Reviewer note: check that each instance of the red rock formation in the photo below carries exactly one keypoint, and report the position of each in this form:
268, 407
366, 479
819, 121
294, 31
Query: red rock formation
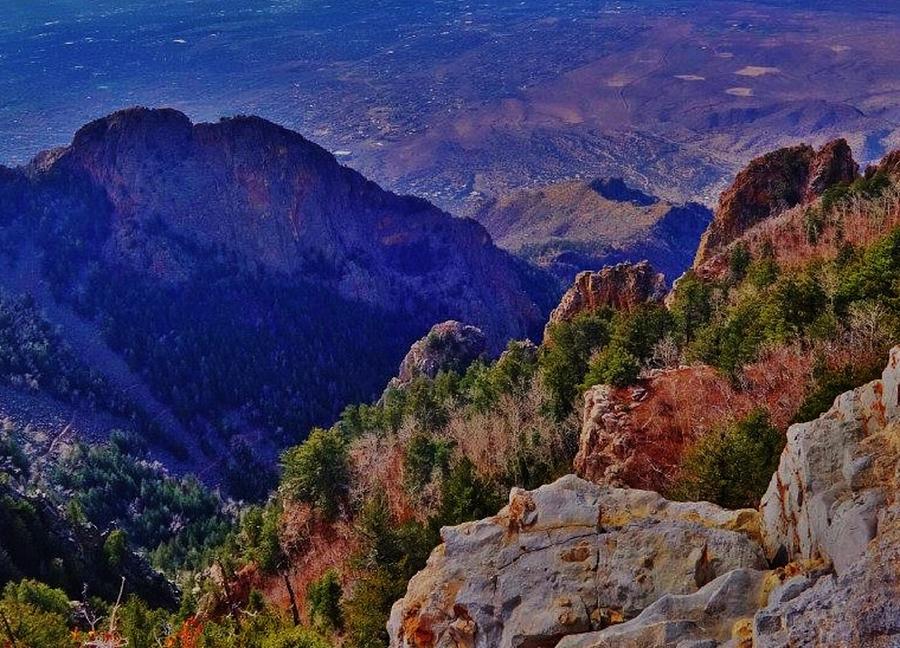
889, 165
621, 287
772, 184
635, 436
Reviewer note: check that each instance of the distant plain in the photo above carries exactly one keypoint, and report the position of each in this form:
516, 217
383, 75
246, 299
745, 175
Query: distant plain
458, 101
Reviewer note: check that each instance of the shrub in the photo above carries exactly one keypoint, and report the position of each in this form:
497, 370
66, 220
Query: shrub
738, 261
691, 307
424, 455
324, 597
294, 638
114, 548
731, 467
388, 557
614, 366
37, 616
466, 496
317, 472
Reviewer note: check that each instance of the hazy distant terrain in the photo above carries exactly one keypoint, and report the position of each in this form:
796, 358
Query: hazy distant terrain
454, 100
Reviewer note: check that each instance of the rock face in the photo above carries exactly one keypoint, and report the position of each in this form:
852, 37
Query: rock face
563, 559
449, 346
621, 287
836, 475
706, 617
576, 565
772, 184
858, 608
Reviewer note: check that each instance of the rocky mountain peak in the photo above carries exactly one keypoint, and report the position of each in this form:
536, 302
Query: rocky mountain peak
448, 346
272, 198
772, 184
621, 287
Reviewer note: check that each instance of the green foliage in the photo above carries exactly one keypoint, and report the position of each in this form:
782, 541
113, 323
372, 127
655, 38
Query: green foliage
13, 461
263, 541
389, 556
34, 357
295, 638
565, 356
873, 275
778, 313
691, 307
317, 471
814, 223
235, 338
37, 616
39, 596
115, 548
731, 467
466, 496
613, 366
28, 546
533, 464
828, 383
140, 625
324, 598
247, 476
864, 187
176, 520
424, 456
738, 261
762, 272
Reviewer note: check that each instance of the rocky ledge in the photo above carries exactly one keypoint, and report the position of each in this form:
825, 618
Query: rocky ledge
621, 287
577, 565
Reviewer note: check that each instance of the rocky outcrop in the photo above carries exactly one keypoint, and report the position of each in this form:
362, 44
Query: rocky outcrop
703, 618
576, 565
564, 559
635, 436
449, 346
772, 184
620, 287
889, 165
858, 608
836, 475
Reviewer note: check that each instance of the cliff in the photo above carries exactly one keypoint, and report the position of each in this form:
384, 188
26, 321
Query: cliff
620, 287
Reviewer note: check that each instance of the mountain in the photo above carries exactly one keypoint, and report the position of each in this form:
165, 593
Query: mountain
577, 225
772, 184
234, 279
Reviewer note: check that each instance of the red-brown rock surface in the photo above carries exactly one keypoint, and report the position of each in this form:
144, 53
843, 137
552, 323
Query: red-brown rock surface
621, 287
635, 436
772, 184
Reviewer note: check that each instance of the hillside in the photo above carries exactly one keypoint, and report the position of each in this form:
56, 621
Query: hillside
577, 225
236, 281
733, 445
691, 397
